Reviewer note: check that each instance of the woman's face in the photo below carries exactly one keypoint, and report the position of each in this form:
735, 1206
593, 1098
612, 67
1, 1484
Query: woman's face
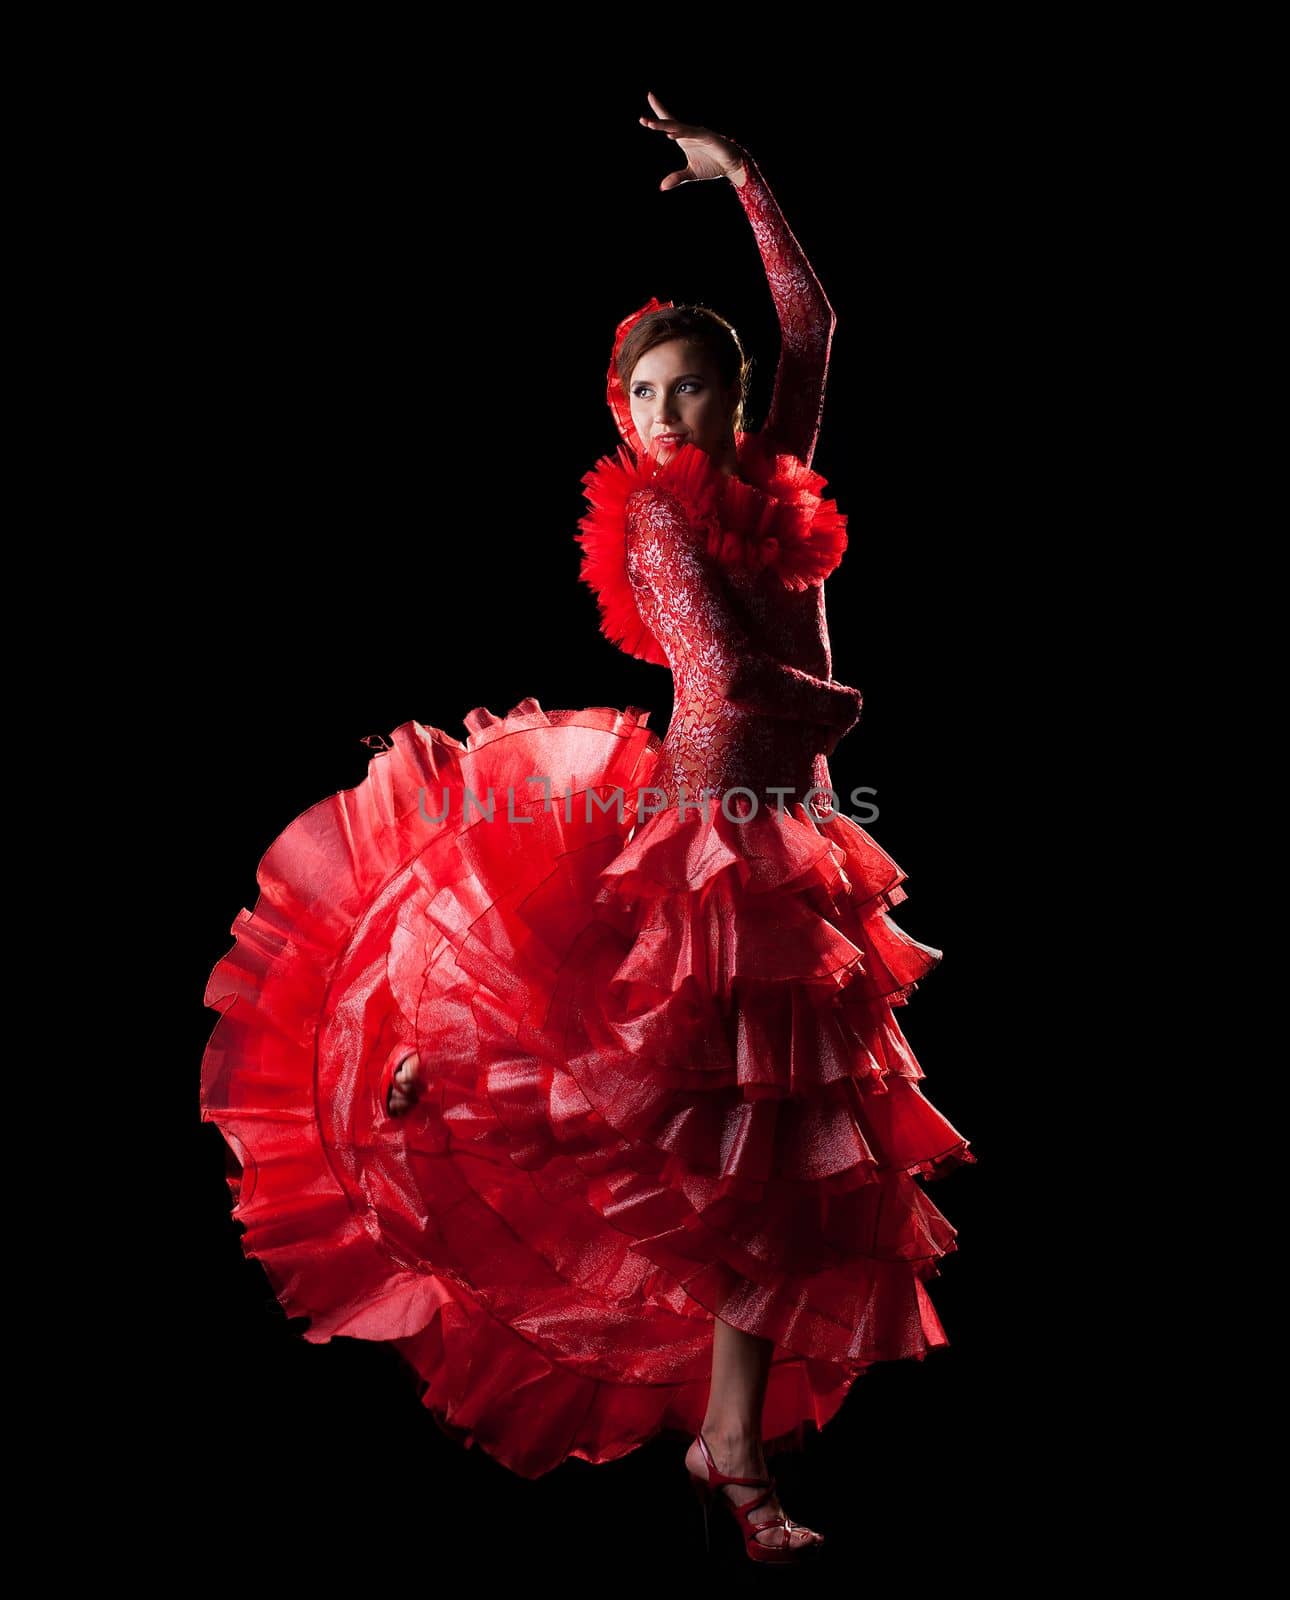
676, 390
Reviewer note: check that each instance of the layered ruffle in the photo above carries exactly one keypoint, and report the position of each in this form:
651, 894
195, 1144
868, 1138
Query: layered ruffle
775, 518
662, 1081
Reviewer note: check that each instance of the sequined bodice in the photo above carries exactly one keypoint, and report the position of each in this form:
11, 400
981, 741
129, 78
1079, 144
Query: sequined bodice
748, 661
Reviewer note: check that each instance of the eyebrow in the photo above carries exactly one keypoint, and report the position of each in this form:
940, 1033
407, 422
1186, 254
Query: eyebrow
680, 377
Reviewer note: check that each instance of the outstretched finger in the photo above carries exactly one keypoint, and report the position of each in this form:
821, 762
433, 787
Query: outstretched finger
658, 105
674, 130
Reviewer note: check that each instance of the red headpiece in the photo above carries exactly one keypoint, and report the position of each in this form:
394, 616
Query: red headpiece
619, 404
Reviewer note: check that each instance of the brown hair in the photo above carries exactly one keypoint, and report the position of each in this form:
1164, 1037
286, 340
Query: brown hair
698, 325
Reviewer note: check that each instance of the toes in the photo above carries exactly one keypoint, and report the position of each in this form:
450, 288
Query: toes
798, 1535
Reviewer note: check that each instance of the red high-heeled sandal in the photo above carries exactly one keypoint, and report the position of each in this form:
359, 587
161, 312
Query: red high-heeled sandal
709, 1488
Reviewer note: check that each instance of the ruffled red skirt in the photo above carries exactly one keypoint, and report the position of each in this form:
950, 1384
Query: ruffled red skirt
662, 1082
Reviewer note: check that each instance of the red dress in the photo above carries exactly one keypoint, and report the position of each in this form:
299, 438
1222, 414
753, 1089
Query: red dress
663, 1076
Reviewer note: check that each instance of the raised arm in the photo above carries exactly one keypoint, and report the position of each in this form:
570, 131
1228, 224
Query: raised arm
806, 319
680, 595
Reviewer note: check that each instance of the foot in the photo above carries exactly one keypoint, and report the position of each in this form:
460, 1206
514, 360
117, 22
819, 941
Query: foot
404, 1086
743, 1457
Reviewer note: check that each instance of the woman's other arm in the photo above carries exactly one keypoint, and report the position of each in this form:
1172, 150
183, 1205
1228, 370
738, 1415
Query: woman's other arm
691, 617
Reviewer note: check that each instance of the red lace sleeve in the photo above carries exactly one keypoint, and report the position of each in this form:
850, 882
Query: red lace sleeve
806, 321
679, 591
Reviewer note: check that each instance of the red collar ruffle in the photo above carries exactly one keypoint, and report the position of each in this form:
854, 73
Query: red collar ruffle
778, 520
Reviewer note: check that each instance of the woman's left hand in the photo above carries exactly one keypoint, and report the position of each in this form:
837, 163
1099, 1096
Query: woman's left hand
708, 154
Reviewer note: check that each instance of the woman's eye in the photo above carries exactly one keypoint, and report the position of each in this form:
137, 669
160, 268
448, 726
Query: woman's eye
687, 384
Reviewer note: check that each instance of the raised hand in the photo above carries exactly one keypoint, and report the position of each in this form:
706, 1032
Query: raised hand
709, 154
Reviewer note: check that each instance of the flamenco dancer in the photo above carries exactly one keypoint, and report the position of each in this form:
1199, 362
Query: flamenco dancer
565, 1059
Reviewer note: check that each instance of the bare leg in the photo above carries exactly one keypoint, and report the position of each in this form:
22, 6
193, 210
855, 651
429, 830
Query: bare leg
732, 1425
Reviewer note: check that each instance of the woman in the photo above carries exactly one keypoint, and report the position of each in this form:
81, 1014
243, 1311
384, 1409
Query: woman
565, 1059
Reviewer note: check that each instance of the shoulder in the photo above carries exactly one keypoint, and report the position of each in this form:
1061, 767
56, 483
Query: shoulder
671, 528
653, 502
680, 502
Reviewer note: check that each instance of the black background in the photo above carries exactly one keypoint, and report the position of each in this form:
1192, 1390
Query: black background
392, 303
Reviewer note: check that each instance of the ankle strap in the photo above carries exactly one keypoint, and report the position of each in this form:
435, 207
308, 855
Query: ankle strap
717, 1477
